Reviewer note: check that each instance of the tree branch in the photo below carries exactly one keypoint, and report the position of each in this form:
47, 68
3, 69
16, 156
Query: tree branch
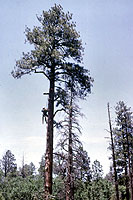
61, 80
42, 72
45, 93
62, 109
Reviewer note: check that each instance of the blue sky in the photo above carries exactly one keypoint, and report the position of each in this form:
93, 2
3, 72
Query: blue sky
106, 29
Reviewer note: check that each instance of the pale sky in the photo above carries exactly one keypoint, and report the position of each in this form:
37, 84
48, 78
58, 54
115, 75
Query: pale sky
106, 29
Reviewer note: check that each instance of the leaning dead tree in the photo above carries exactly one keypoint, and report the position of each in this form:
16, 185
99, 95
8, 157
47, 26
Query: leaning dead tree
113, 154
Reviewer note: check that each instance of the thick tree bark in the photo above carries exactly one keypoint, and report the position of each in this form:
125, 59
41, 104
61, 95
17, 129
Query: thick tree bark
69, 184
49, 140
113, 156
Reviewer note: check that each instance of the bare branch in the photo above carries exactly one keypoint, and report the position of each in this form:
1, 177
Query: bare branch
42, 72
107, 130
60, 155
59, 110
61, 80
45, 93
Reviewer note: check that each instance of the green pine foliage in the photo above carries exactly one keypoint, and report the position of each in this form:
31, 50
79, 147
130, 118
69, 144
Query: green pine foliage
123, 143
57, 54
17, 188
31, 186
54, 43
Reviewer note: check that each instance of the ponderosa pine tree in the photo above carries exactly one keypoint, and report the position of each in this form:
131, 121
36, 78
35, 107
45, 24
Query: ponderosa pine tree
97, 170
8, 163
55, 42
42, 166
82, 169
27, 170
97, 178
124, 142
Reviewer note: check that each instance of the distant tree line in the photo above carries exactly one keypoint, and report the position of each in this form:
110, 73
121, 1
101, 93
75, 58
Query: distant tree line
75, 177
26, 182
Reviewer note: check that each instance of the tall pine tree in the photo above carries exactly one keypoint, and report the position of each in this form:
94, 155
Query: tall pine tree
124, 142
57, 54
8, 163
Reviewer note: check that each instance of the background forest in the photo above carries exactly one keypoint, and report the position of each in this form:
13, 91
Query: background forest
87, 180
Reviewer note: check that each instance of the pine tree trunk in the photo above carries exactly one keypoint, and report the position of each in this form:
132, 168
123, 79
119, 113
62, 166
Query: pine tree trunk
5, 171
49, 140
69, 186
113, 156
127, 183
